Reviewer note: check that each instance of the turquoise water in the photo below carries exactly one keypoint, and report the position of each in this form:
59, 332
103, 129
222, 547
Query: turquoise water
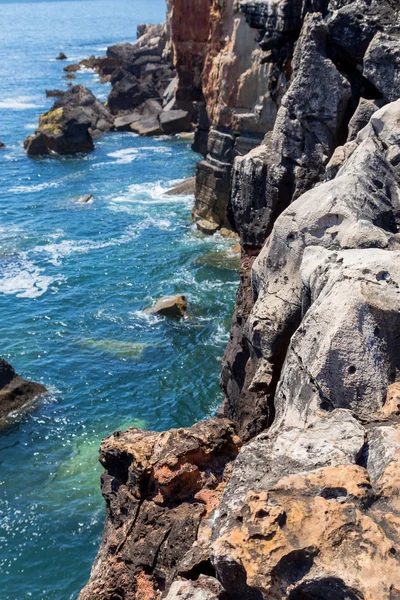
74, 280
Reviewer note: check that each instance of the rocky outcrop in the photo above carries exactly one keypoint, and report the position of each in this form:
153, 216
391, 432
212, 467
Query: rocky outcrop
70, 125
303, 162
16, 394
161, 490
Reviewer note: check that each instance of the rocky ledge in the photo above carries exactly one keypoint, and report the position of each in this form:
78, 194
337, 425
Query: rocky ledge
16, 394
299, 498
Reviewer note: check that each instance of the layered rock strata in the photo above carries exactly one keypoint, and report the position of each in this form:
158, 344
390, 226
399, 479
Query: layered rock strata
309, 508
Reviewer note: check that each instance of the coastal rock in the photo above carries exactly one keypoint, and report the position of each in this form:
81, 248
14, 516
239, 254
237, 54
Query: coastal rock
72, 68
382, 65
16, 394
2, 145
175, 121
185, 188
54, 93
68, 127
128, 93
170, 306
147, 126
161, 490
61, 56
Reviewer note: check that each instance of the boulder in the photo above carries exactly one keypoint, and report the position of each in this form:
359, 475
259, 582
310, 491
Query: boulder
72, 68
207, 227
16, 394
124, 123
128, 93
147, 126
70, 76
2, 145
175, 121
170, 306
61, 56
68, 127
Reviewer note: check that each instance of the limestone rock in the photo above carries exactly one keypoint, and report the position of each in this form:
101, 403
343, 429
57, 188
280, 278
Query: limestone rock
207, 227
16, 394
170, 306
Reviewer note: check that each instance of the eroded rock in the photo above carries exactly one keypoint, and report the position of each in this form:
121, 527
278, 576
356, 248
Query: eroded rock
16, 394
159, 488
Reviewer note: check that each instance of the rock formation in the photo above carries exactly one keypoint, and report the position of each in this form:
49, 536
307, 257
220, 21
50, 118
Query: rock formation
16, 394
299, 109
70, 125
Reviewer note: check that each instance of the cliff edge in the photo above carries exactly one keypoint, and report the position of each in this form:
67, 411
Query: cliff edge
293, 491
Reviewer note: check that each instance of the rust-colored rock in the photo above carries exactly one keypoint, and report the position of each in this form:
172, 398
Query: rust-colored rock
159, 488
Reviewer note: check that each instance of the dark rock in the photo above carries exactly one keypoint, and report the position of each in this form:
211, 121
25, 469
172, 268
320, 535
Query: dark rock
147, 126
175, 121
67, 128
124, 123
2, 145
128, 93
72, 68
61, 56
16, 394
54, 93
69, 76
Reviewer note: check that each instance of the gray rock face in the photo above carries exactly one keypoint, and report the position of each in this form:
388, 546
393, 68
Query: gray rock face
382, 65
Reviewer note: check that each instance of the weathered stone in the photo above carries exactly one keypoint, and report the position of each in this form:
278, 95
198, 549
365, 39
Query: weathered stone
170, 306
128, 93
16, 394
185, 188
207, 227
382, 65
205, 588
124, 123
68, 126
158, 488
147, 126
174, 121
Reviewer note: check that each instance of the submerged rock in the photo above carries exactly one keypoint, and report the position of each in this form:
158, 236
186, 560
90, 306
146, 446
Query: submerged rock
16, 394
68, 127
88, 198
170, 306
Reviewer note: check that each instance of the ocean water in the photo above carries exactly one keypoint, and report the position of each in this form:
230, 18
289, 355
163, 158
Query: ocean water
74, 282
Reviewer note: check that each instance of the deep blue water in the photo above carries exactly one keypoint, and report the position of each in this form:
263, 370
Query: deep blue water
74, 280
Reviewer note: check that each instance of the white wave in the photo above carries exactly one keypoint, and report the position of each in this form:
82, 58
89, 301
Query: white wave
24, 279
60, 250
18, 189
20, 103
124, 157
219, 336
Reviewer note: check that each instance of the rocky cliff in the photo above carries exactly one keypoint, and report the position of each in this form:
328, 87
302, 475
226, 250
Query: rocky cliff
293, 491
